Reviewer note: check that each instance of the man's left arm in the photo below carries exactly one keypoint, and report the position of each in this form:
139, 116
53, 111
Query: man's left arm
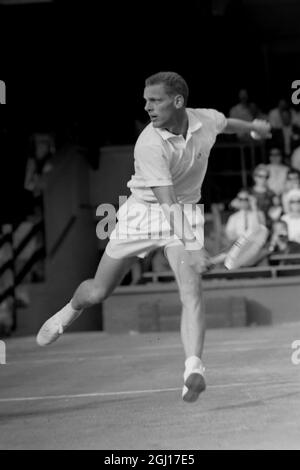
259, 126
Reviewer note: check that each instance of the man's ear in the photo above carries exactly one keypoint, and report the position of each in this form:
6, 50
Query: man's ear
179, 101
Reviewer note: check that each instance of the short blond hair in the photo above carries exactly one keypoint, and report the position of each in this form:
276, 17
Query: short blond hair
173, 82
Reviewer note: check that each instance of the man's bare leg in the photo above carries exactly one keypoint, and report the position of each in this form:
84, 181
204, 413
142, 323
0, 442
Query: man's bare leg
109, 274
192, 320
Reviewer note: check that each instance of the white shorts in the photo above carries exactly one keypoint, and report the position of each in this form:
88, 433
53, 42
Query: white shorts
143, 227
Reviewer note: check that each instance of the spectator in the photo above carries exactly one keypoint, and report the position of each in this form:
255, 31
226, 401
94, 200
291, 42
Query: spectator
292, 217
287, 138
276, 210
295, 159
245, 219
242, 111
277, 171
38, 164
275, 114
260, 190
279, 242
292, 182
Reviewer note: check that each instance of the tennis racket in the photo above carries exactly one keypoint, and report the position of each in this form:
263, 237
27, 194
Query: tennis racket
244, 250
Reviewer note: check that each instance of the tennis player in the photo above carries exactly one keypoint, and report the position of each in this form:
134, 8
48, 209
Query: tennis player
171, 157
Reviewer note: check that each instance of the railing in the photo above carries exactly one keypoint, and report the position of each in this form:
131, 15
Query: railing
7, 275
21, 249
241, 273
243, 148
60, 196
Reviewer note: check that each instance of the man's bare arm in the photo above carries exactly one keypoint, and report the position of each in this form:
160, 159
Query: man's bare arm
261, 127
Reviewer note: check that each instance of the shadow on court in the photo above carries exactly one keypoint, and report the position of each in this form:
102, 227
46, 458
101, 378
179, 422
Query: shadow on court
98, 391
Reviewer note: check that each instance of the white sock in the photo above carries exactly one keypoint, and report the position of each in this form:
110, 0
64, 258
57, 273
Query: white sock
193, 362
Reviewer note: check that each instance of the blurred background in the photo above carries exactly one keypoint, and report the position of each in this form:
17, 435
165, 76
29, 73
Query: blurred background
74, 74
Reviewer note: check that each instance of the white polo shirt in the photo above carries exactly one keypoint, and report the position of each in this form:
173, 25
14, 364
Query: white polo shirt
163, 159
293, 225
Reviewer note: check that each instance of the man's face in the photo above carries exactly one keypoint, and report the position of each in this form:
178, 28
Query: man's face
160, 106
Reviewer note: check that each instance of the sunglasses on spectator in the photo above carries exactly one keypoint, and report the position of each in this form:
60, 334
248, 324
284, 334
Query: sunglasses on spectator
295, 200
243, 199
293, 178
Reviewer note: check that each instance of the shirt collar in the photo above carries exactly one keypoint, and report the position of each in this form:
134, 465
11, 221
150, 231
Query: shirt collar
194, 125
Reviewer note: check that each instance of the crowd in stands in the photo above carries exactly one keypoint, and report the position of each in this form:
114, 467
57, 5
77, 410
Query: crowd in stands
273, 198
276, 206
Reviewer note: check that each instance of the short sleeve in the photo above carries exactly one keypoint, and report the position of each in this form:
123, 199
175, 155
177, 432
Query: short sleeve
152, 165
219, 119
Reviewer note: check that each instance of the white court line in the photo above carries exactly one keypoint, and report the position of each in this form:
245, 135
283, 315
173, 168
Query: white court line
138, 392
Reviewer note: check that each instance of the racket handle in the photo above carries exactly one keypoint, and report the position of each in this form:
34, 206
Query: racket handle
218, 258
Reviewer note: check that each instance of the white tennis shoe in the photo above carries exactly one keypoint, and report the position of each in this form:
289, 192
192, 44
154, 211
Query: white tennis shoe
194, 384
53, 328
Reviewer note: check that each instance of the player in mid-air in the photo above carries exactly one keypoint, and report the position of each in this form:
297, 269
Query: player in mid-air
171, 157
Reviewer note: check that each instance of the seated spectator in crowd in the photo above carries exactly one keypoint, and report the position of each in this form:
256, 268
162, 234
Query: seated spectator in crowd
292, 182
38, 164
287, 138
275, 115
247, 218
276, 210
260, 190
242, 111
278, 244
277, 171
295, 159
279, 241
292, 217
